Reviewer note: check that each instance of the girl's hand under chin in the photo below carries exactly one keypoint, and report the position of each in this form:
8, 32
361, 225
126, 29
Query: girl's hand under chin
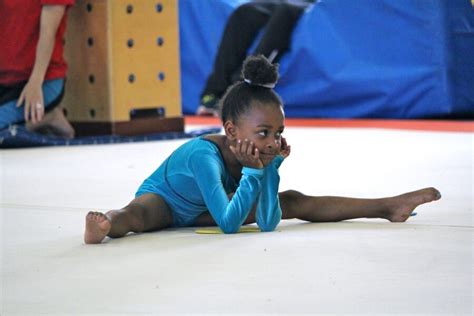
247, 154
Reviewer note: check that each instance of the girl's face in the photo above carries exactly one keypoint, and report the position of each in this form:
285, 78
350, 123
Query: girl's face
262, 125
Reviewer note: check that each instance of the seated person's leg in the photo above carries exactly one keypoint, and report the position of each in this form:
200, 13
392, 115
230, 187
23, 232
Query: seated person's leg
54, 122
240, 32
9, 112
277, 35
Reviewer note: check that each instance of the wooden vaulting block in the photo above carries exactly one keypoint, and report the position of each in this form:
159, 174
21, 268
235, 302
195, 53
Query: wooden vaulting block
124, 75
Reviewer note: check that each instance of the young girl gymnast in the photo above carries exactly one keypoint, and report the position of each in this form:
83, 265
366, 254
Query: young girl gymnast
231, 180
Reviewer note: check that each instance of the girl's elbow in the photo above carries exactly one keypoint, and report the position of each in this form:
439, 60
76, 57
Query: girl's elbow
268, 227
230, 229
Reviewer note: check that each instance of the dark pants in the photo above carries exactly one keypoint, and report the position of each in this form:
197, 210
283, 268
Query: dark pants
53, 91
243, 26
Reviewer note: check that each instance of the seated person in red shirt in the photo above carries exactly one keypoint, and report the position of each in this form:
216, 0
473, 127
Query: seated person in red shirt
32, 66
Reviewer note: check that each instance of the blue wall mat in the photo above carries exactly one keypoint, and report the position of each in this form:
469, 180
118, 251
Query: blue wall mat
354, 59
460, 17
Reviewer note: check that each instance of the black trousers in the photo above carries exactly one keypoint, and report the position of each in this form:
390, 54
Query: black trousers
275, 17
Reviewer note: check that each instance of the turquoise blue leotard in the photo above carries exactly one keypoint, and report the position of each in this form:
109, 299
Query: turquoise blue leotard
194, 180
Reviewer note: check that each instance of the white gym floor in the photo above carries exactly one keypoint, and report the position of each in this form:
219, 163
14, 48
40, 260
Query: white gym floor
370, 267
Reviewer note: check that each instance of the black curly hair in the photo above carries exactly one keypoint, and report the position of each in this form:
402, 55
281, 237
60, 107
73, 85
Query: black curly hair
259, 77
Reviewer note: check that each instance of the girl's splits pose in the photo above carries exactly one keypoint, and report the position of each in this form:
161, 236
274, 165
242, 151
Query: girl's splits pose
231, 180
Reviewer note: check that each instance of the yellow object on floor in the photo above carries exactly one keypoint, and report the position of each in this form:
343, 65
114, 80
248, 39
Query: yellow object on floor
219, 231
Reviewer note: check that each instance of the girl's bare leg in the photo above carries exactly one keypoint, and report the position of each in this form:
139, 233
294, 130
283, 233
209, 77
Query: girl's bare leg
147, 212
333, 209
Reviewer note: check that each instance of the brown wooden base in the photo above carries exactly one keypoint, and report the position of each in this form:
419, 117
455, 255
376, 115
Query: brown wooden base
134, 127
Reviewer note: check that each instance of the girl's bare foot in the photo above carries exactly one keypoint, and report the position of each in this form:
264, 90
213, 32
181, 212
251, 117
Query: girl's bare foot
400, 207
97, 227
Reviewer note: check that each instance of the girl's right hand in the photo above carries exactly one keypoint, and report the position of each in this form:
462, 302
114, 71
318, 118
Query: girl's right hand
247, 154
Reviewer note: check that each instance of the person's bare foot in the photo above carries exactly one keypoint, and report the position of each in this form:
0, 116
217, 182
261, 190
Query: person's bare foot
97, 227
53, 123
401, 207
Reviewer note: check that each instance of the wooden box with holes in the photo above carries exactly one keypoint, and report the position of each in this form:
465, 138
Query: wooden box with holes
123, 75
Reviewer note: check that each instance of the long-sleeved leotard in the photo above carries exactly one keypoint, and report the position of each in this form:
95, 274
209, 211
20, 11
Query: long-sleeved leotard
194, 180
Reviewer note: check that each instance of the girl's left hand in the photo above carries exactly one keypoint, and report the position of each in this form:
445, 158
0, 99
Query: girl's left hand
285, 149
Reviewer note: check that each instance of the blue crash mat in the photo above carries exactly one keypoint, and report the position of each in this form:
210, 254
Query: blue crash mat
17, 136
353, 59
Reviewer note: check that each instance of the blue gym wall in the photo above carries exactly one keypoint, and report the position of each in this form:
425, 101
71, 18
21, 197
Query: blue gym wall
354, 59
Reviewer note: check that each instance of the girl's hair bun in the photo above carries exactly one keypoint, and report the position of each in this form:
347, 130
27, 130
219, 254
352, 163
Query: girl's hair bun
258, 71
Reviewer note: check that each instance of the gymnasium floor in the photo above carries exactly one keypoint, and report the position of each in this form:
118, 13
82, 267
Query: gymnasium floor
373, 267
